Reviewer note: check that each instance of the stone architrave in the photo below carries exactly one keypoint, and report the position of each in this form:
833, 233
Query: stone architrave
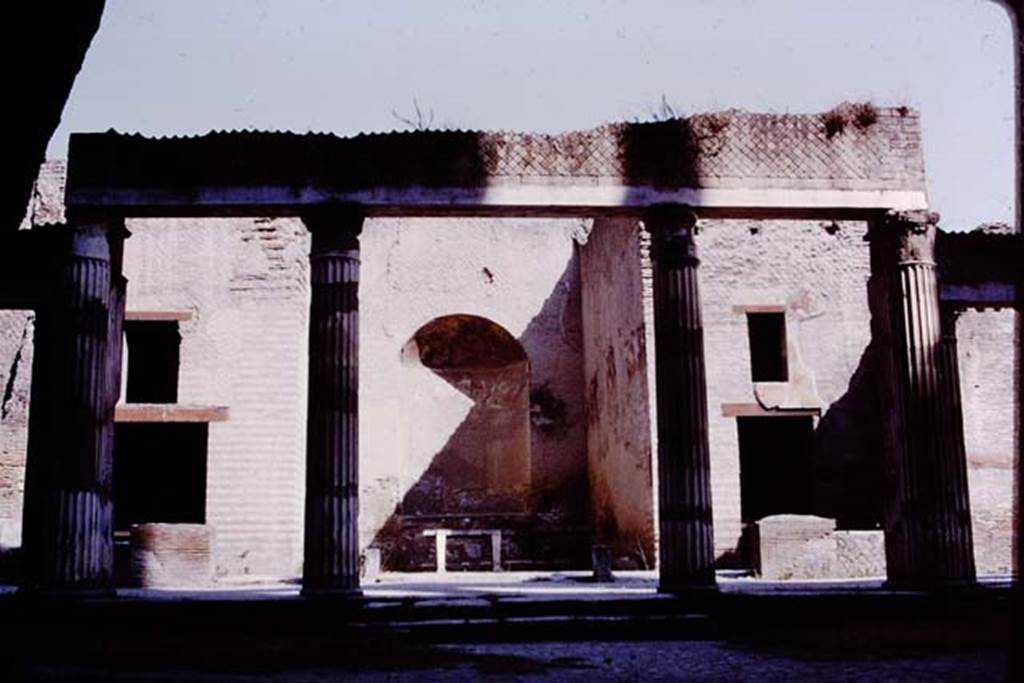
76, 382
684, 486
331, 558
926, 508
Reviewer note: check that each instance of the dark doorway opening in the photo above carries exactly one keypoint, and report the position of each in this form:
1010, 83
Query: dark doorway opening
776, 472
159, 473
776, 466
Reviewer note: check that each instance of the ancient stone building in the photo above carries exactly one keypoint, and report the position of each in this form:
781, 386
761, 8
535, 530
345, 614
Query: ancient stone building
474, 341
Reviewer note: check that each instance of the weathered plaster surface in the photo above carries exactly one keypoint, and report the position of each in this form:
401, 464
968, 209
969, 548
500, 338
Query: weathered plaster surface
618, 425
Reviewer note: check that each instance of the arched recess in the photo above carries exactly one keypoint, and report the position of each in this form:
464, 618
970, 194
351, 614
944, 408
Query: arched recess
467, 437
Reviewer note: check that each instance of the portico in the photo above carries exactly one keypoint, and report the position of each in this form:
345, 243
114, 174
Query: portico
670, 176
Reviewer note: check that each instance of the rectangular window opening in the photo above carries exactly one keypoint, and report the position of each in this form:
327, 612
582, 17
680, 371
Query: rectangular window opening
767, 332
154, 349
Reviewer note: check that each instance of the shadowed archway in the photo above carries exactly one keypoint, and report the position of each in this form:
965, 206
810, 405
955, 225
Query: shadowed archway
485, 466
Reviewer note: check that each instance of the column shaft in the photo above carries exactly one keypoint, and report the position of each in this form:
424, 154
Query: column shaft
686, 549
927, 514
961, 561
68, 523
331, 560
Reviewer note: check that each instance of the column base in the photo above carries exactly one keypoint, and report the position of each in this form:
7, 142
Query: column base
66, 594
332, 593
682, 590
949, 586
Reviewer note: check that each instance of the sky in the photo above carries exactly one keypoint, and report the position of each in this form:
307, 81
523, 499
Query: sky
162, 67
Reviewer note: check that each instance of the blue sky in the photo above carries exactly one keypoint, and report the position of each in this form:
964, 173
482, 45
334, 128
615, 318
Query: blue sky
189, 66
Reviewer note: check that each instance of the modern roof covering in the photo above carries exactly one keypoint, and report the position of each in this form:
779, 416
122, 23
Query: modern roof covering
852, 148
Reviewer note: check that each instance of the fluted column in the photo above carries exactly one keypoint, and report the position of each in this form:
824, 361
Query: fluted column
955, 453
331, 560
926, 511
686, 548
68, 523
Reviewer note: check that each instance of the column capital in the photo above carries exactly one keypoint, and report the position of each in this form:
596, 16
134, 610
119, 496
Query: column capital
335, 226
91, 234
97, 221
902, 238
916, 220
672, 227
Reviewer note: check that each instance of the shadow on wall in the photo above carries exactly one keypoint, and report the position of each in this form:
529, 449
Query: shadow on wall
485, 465
490, 474
848, 452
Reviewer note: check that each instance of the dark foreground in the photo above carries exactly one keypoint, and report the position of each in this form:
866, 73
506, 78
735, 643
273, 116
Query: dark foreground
729, 636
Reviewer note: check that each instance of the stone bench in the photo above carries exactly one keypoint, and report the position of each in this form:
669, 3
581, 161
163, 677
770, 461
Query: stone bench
441, 544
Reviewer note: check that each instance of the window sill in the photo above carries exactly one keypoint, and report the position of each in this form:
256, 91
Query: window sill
755, 410
169, 412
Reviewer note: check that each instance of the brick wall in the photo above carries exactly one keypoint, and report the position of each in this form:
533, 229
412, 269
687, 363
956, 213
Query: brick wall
245, 282
819, 275
987, 371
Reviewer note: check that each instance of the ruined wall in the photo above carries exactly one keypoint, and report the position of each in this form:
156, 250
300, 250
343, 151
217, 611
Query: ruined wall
521, 274
616, 363
245, 282
987, 371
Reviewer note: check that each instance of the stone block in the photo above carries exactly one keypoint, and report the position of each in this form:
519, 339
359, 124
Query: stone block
859, 554
178, 555
809, 547
796, 547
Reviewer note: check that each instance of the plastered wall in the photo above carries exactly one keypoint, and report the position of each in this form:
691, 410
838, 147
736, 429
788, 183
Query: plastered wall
618, 421
520, 274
